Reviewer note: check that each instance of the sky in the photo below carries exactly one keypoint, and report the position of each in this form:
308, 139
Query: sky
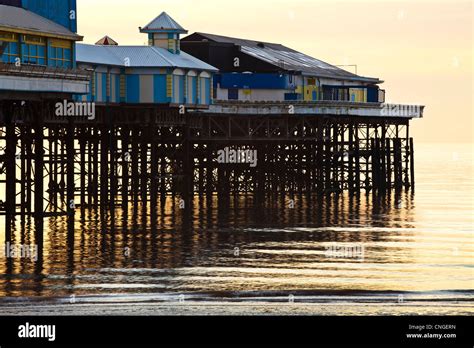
422, 49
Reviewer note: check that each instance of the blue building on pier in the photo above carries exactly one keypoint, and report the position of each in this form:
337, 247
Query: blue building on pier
159, 73
39, 54
257, 71
38, 47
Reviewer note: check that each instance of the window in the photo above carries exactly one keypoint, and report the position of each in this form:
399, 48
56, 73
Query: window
233, 94
33, 49
35, 40
8, 47
10, 52
4, 36
61, 53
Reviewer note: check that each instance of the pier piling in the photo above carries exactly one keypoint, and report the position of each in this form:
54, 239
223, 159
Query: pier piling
128, 155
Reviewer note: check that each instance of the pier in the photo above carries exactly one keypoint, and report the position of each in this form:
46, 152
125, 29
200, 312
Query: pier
126, 155
156, 117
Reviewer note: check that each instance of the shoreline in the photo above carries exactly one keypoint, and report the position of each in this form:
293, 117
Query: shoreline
194, 308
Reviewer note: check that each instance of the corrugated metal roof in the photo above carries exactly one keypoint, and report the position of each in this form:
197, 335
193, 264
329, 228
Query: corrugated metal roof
287, 58
17, 18
138, 56
164, 22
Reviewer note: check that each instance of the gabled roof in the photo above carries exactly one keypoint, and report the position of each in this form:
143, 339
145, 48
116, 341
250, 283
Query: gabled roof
163, 23
138, 57
17, 19
283, 57
107, 40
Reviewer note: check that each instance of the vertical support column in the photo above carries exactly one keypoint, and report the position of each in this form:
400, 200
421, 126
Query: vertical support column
135, 154
335, 155
10, 204
388, 153
39, 188
51, 161
209, 171
163, 164
62, 162
374, 144
89, 145
328, 140
350, 156
112, 164
104, 166
412, 165
70, 187
144, 165
343, 157
201, 156
154, 168
261, 169
368, 157
29, 169
319, 156
95, 134
357, 158
54, 138
125, 174
407, 171
306, 154
383, 156
188, 164
23, 173
398, 163
82, 150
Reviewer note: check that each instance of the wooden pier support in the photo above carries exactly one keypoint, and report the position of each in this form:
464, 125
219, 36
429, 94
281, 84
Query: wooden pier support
70, 153
412, 165
128, 155
39, 174
10, 166
104, 166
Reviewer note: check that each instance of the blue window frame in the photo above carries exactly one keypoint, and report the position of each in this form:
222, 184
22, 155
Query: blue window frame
10, 52
60, 53
33, 50
9, 49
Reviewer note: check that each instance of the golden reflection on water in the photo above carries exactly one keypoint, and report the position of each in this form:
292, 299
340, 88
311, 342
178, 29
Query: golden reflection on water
419, 242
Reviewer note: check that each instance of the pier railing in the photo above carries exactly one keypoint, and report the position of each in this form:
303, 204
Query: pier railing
41, 71
321, 107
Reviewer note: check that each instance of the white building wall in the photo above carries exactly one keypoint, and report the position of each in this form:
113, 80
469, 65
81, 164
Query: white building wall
255, 94
32, 84
263, 94
331, 82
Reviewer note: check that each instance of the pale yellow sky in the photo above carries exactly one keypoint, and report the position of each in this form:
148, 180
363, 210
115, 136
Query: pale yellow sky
422, 49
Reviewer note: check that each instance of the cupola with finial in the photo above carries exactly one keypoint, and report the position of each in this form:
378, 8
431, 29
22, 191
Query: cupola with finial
164, 32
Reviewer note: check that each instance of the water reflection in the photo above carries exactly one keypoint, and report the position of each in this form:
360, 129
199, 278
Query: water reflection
87, 252
263, 249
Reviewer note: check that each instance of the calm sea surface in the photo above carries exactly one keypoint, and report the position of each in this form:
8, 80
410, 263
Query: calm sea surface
411, 253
